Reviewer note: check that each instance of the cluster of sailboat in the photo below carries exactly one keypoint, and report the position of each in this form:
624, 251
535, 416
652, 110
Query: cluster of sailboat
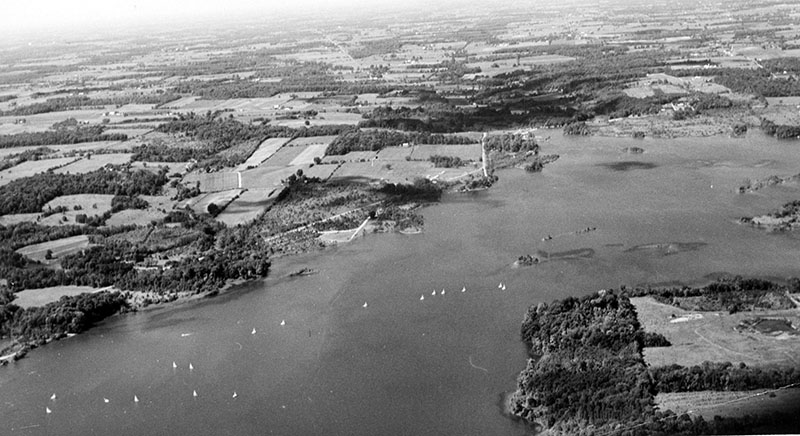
441, 293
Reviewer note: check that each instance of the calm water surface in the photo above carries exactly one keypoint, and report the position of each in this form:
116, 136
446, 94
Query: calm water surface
402, 365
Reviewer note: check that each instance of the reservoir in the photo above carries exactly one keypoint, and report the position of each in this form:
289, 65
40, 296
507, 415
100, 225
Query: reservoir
304, 356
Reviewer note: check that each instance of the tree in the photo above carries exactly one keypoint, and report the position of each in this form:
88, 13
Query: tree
213, 209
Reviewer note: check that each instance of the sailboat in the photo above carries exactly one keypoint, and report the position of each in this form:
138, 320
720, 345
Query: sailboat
53, 397
191, 367
105, 400
47, 409
422, 297
500, 286
234, 394
174, 365
253, 332
365, 304
442, 293
464, 289
194, 394
504, 287
135, 399
434, 292
283, 322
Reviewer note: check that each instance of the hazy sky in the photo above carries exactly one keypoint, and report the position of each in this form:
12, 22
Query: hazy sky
29, 15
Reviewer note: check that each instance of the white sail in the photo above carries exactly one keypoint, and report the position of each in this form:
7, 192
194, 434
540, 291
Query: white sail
365, 304
47, 409
283, 322
234, 394
135, 399
191, 367
53, 397
194, 394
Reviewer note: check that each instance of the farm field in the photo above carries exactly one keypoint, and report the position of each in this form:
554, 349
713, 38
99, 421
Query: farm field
263, 152
710, 336
29, 168
139, 217
353, 156
200, 204
396, 171
265, 177
395, 153
213, 182
59, 247
248, 206
97, 161
465, 152
284, 156
40, 297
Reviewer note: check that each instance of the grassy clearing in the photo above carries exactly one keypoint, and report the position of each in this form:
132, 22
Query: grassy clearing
734, 404
40, 297
248, 206
59, 247
712, 337
29, 168
97, 161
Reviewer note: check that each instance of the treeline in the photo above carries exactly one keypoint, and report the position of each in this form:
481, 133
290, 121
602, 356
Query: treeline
19, 235
61, 136
443, 118
70, 314
732, 295
30, 194
780, 131
725, 376
759, 81
512, 142
420, 190
374, 140
225, 89
76, 102
446, 161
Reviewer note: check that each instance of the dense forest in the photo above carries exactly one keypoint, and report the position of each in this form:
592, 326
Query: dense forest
68, 315
30, 194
